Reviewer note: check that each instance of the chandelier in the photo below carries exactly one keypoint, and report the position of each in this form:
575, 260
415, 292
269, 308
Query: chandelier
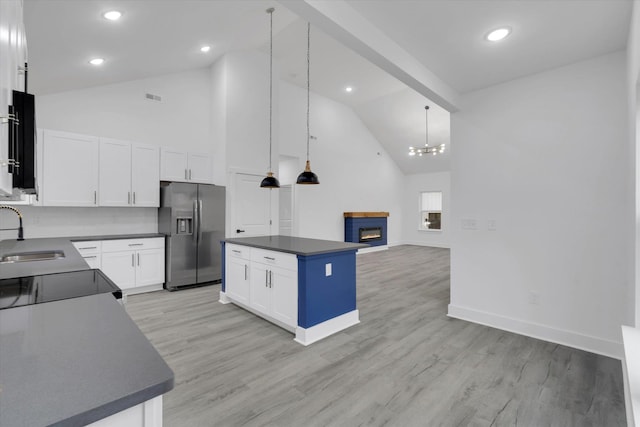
433, 150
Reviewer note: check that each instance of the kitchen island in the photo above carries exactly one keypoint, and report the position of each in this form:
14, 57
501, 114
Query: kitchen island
307, 286
74, 361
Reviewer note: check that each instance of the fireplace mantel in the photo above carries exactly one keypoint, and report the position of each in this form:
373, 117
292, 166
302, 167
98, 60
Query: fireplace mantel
366, 214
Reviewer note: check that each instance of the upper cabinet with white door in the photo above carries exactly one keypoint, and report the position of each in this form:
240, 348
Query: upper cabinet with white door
129, 174
70, 169
13, 54
182, 166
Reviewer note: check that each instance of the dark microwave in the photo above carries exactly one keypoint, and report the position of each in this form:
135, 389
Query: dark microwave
22, 142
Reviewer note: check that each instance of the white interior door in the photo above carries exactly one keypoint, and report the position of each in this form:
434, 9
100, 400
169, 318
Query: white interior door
286, 210
251, 206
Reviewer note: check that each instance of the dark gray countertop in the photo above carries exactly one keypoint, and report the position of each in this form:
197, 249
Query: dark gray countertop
73, 362
115, 237
296, 245
72, 260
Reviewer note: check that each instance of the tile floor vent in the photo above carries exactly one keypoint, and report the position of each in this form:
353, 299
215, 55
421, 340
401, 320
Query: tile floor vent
153, 97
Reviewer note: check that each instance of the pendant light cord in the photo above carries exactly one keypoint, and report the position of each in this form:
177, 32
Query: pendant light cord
426, 123
270, 83
308, 80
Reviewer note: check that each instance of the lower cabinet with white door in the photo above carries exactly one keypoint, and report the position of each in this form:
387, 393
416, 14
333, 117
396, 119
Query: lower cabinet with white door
306, 286
134, 265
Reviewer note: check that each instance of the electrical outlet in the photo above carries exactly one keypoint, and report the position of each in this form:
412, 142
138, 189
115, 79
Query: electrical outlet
327, 269
469, 224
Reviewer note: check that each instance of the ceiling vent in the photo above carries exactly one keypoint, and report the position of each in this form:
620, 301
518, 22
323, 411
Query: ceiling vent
152, 97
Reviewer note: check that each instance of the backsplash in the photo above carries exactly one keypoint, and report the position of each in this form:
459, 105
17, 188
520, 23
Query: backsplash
61, 222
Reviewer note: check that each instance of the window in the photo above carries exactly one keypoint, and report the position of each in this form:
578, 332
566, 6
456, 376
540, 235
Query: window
430, 210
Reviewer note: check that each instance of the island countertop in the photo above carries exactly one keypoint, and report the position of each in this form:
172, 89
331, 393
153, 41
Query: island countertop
72, 260
73, 362
296, 245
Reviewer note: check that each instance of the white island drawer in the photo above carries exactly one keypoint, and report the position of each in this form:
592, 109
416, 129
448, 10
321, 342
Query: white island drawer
274, 258
238, 251
132, 244
90, 247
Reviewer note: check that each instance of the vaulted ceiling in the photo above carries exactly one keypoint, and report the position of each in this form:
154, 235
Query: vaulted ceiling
445, 37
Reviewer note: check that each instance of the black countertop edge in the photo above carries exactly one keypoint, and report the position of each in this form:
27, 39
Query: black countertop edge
300, 246
116, 237
112, 408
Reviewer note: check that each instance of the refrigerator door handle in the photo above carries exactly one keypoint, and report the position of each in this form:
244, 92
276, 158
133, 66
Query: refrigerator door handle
199, 220
196, 220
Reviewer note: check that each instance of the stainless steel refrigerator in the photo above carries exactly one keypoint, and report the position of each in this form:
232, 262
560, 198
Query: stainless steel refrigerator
193, 218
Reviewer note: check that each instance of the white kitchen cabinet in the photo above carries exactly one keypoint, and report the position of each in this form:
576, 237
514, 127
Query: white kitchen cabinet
182, 166
121, 268
134, 265
237, 270
91, 251
70, 169
145, 175
274, 292
115, 172
13, 56
264, 281
129, 174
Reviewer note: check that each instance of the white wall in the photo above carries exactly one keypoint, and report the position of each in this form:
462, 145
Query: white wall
546, 157
355, 172
413, 186
121, 111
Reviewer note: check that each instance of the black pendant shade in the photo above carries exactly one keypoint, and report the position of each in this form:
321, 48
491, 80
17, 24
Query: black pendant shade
307, 177
270, 181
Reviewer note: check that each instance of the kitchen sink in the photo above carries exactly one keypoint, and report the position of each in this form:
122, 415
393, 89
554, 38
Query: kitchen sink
32, 256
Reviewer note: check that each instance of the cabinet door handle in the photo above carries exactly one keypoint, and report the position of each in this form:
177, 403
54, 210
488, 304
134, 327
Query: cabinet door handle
89, 247
95, 197
266, 278
236, 251
245, 272
270, 278
189, 173
185, 174
269, 258
136, 244
133, 260
134, 197
87, 257
138, 259
129, 198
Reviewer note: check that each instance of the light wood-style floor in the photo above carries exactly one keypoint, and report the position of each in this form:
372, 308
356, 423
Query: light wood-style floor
405, 364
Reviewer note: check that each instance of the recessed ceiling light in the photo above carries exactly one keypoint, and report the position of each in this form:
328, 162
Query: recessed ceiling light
205, 48
348, 89
498, 34
112, 15
96, 61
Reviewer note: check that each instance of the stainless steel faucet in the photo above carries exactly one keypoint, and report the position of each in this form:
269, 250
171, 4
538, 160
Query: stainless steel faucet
20, 229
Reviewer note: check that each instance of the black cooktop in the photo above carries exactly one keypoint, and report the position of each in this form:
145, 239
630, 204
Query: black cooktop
29, 290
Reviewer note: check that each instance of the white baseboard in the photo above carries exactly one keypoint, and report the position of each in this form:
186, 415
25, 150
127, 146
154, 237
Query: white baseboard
224, 299
372, 249
559, 336
322, 330
143, 289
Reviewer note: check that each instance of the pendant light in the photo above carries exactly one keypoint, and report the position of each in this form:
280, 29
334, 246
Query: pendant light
438, 149
270, 181
308, 177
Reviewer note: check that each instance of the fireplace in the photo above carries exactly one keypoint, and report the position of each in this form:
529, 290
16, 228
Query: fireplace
366, 227
369, 234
